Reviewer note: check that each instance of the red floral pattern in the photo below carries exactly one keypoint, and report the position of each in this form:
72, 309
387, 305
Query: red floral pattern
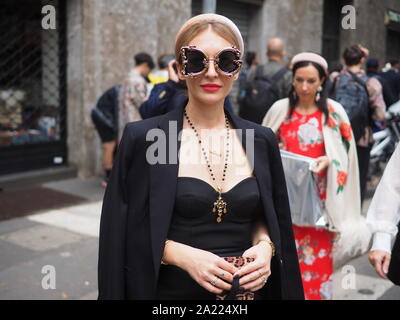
314, 250
302, 134
341, 178
345, 131
331, 123
344, 128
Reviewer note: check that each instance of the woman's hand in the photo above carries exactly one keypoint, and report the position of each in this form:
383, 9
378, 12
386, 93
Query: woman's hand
171, 71
210, 271
281, 143
380, 260
321, 164
253, 276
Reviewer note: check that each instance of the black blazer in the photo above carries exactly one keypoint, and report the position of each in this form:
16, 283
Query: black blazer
138, 206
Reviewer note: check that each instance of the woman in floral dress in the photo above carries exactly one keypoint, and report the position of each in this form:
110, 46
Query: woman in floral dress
310, 124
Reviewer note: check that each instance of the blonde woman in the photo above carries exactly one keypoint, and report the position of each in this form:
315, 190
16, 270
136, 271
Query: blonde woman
171, 230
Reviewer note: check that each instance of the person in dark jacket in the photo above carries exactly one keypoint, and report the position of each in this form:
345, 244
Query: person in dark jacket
167, 96
373, 70
104, 116
174, 229
392, 76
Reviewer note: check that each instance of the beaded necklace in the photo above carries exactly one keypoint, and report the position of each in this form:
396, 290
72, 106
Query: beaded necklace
220, 206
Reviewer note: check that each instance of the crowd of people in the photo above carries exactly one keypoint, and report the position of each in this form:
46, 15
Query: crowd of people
203, 231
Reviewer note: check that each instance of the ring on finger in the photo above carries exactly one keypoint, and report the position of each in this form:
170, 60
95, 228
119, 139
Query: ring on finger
213, 281
265, 279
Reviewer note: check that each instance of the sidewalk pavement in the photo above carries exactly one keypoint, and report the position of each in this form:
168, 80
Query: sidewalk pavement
65, 240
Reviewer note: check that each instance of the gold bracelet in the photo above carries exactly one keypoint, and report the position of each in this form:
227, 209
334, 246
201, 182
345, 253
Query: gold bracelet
162, 262
270, 243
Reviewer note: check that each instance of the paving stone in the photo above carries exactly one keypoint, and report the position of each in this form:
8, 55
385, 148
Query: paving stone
76, 221
92, 209
41, 237
16, 224
75, 275
12, 254
89, 189
365, 288
391, 294
23, 202
91, 296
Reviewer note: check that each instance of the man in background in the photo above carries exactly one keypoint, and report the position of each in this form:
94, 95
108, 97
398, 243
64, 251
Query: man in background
134, 91
275, 54
265, 84
363, 101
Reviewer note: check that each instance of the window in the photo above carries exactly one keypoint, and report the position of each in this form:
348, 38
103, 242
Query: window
32, 86
392, 44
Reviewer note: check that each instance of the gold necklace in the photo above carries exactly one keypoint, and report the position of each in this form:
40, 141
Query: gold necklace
216, 153
220, 206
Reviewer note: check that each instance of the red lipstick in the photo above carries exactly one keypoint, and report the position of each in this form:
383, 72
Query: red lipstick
210, 87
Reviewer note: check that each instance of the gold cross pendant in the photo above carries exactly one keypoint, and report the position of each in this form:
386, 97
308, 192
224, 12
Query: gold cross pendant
219, 206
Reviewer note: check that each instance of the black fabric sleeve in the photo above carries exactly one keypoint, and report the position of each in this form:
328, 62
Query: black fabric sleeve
111, 280
281, 203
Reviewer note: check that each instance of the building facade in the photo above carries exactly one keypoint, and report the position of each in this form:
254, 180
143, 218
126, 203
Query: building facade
103, 36
51, 78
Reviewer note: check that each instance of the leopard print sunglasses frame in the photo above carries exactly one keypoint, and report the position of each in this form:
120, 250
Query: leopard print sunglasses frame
236, 62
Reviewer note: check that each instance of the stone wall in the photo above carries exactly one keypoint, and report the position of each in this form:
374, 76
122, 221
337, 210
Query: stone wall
370, 28
299, 23
103, 36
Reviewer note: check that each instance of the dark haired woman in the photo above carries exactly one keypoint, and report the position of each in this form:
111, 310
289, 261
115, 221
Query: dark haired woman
309, 124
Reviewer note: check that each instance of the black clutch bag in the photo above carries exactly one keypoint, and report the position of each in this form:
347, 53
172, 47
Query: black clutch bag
235, 293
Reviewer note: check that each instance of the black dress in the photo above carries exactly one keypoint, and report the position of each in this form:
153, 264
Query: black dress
136, 217
194, 224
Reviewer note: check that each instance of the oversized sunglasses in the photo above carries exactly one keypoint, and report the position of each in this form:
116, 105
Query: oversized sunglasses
195, 61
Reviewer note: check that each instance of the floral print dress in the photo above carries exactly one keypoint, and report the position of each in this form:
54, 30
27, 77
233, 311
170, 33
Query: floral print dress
302, 134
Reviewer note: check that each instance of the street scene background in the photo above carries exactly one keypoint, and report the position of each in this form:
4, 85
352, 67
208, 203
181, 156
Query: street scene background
51, 156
